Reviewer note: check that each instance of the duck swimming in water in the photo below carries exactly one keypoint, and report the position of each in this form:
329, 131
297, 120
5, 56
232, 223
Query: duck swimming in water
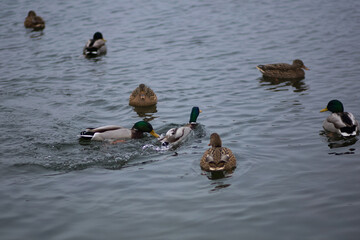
113, 132
142, 96
33, 21
283, 70
340, 122
217, 158
95, 46
175, 136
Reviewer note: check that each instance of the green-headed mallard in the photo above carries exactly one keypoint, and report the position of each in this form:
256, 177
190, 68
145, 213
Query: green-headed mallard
343, 123
176, 135
95, 46
34, 21
217, 158
113, 132
283, 70
142, 96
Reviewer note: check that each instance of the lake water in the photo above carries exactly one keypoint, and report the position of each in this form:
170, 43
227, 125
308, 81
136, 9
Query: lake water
291, 181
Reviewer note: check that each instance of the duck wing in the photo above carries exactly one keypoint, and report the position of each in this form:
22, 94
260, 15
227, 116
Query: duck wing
275, 66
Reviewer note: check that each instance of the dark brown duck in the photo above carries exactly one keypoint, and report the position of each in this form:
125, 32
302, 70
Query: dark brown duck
283, 70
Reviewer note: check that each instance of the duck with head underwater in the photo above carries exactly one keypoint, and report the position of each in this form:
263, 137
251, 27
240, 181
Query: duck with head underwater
113, 132
217, 158
283, 70
175, 136
340, 122
95, 46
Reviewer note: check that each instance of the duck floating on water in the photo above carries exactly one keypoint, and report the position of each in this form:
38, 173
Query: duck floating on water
340, 122
217, 158
283, 70
175, 136
113, 132
142, 96
33, 21
95, 46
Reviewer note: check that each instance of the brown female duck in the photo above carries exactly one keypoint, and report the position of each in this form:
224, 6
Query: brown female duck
142, 96
34, 21
283, 70
217, 158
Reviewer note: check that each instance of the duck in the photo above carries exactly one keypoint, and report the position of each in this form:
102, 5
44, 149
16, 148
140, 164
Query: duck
95, 46
34, 21
284, 70
217, 158
175, 136
113, 132
340, 122
142, 96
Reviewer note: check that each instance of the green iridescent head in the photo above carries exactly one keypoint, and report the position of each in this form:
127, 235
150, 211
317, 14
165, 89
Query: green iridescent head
194, 114
334, 106
145, 127
97, 36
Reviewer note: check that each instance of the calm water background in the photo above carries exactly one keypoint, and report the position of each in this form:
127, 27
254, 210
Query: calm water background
292, 181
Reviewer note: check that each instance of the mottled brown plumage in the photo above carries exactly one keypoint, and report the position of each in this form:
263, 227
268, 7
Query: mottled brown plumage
142, 96
33, 21
283, 70
217, 158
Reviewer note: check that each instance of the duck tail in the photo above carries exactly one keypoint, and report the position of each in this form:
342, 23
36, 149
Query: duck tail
91, 51
348, 131
86, 134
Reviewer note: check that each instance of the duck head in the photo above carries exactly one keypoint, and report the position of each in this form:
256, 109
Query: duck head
98, 36
143, 126
300, 64
334, 106
195, 111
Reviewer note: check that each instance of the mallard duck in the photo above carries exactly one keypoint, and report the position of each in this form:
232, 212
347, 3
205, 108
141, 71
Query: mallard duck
283, 70
33, 21
343, 123
142, 96
176, 135
113, 132
95, 46
217, 158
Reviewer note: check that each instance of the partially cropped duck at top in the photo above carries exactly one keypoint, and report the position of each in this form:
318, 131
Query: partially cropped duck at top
34, 21
217, 158
142, 96
340, 122
176, 135
283, 70
95, 46
113, 132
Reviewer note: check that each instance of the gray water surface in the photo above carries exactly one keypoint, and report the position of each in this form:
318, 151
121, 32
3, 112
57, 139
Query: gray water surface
292, 181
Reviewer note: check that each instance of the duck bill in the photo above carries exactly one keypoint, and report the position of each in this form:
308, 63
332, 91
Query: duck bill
154, 134
304, 67
324, 110
216, 169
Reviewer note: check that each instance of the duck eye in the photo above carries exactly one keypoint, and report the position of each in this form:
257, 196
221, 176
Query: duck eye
165, 144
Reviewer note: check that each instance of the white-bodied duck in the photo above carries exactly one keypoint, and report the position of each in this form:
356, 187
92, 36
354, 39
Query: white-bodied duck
340, 122
176, 135
113, 132
95, 46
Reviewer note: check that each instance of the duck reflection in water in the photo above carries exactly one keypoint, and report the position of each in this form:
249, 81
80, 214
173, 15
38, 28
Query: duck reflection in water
147, 113
336, 141
276, 85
